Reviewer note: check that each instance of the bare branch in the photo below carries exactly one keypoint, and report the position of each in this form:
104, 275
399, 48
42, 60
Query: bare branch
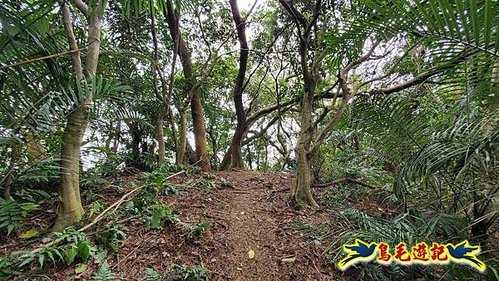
393, 67
261, 132
73, 45
82, 7
362, 59
421, 78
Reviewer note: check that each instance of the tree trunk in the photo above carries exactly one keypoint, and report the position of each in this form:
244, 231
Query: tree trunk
15, 154
227, 159
172, 18
71, 210
301, 192
117, 137
160, 139
236, 155
200, 132
182, 139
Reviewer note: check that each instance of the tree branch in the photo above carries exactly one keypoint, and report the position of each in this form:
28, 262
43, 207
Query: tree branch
82, 7
421, 78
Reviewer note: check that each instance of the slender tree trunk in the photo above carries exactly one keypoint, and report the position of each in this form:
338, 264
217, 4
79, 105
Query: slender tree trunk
117, 136
161, 139
250, 158
226, 160
160, 118
301, 192
9, 177
172, 18
71, 210
235, 150
182, 139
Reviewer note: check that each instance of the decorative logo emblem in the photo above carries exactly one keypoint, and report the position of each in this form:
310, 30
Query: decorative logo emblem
421, 253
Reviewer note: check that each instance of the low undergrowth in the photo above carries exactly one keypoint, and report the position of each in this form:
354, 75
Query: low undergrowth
91, 248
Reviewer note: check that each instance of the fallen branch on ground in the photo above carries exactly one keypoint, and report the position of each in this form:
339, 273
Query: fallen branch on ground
114, 206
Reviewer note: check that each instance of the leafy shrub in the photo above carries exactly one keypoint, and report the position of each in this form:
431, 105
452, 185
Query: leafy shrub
72, 245
42, 174
178, 272
90, 179
146, 198
159, 214
33, 195
151, 274
13, 212
6, 268
158, 181
95, 207
194, 231
111, 236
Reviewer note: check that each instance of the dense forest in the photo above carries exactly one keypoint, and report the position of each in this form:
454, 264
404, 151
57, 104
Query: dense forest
246, 140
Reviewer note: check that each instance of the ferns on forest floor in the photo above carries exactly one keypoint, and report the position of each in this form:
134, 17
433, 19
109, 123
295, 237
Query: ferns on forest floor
111, 236
177, 272
104, 274
12, 213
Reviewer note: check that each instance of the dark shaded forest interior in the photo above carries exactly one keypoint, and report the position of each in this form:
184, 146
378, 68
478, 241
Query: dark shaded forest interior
249, 140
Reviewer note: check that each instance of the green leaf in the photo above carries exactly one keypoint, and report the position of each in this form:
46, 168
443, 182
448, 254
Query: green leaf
50, 254
41, 260
101, 256
10, 227
81, 268
29, 234
70, 255
26, 261
83, 250
487, 21
474, 20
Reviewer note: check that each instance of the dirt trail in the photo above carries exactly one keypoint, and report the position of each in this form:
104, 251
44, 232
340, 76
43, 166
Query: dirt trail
251, 228
249, 216
258, 219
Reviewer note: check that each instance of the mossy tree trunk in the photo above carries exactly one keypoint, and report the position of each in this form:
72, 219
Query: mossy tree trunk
71, 210
301, 192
